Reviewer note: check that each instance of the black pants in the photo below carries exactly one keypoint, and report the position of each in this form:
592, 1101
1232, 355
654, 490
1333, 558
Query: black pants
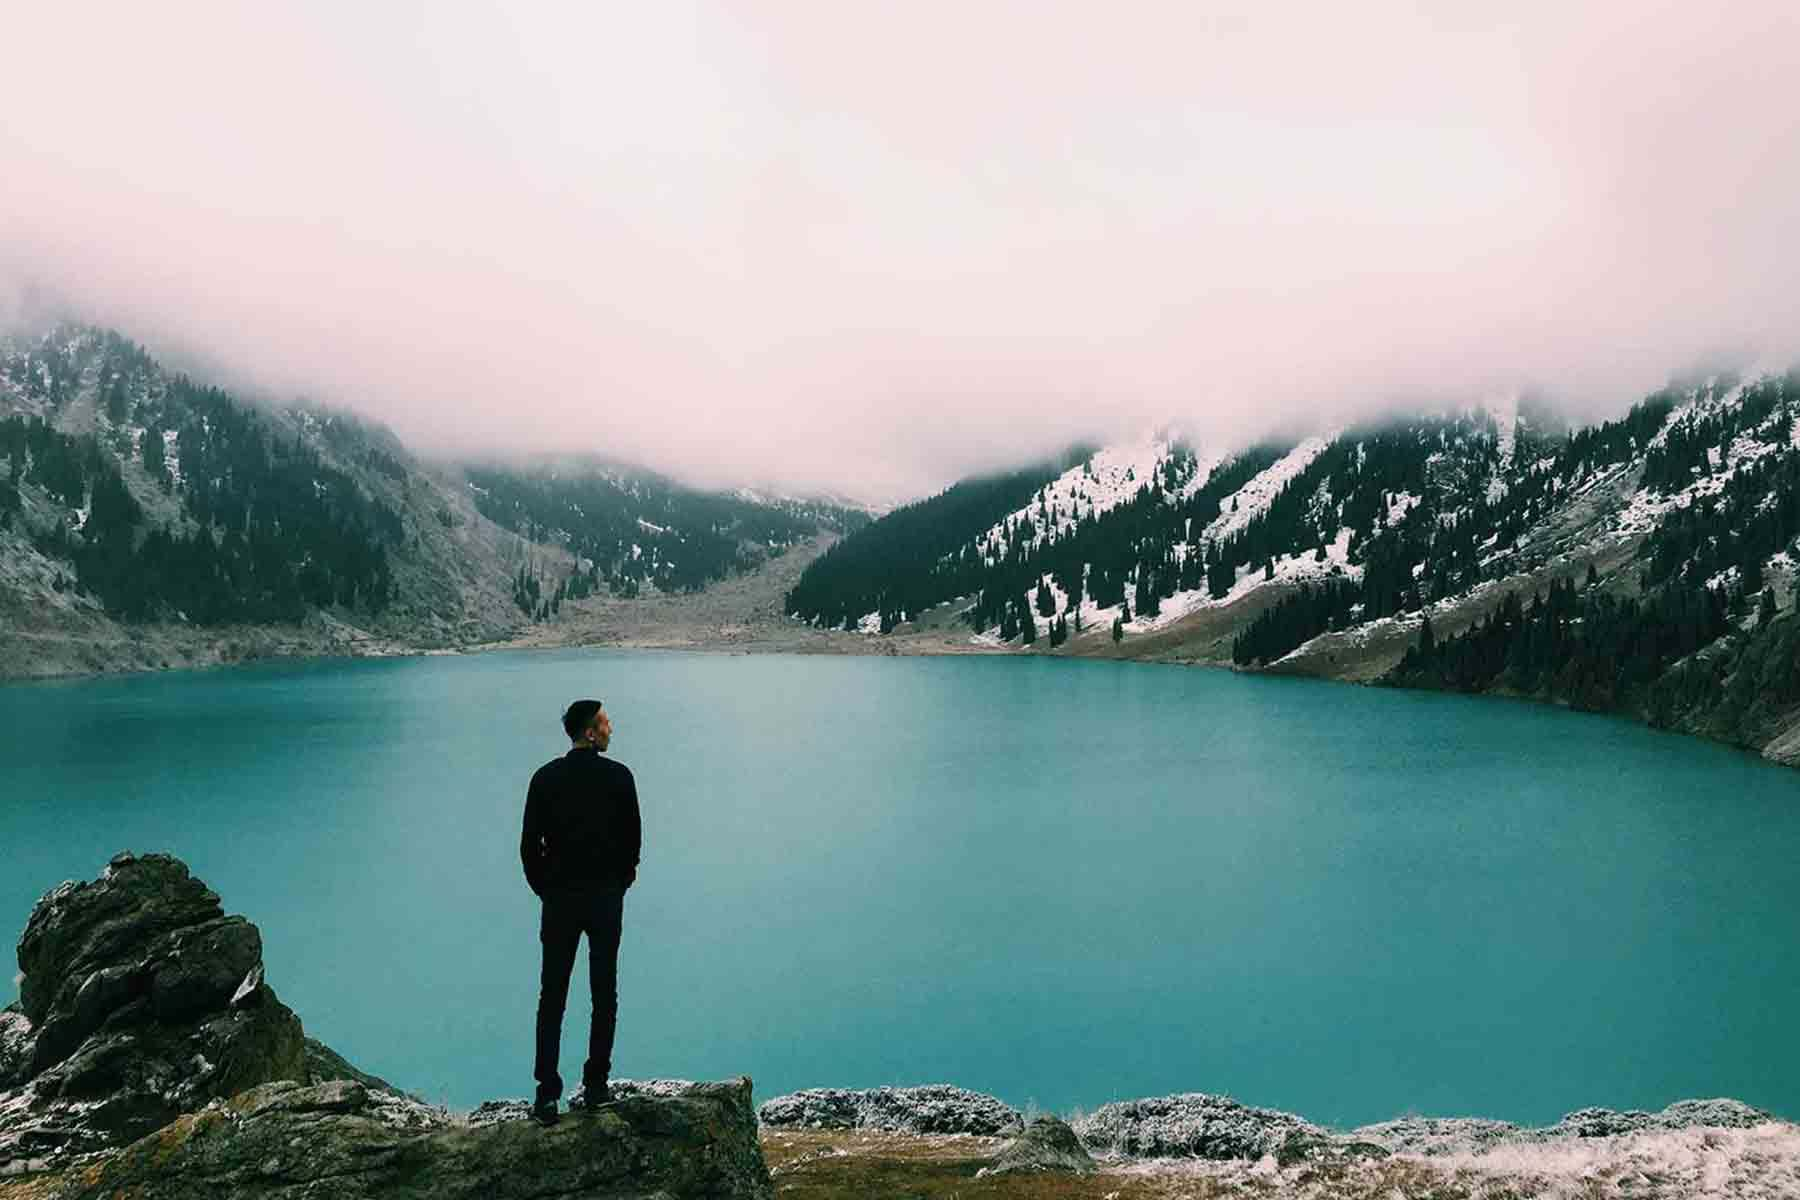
568, 915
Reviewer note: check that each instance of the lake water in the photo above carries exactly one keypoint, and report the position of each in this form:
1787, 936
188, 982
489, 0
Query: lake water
1061, 882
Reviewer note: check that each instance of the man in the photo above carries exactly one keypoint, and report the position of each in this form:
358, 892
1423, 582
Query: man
580, 848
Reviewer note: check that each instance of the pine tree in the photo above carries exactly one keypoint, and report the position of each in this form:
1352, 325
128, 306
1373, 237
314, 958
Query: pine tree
1046, 600
1427, 638
1118, 629
1767, 611
1593, 576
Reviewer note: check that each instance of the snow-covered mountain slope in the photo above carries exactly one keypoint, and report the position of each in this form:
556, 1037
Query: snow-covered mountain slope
1687, 509
1111, 476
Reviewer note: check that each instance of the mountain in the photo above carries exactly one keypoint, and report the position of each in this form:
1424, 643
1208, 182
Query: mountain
149, 518
1643, 565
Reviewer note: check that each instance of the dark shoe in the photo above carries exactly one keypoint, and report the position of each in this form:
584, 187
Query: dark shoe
590, 1099
544, 1113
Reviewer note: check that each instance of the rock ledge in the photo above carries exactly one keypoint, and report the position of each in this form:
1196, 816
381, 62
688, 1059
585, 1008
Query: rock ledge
148, 1056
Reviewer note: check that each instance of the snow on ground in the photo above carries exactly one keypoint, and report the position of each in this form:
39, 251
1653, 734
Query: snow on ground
1647, 508
1109, 478
171, 459
1297, 568
1252, 499
1506, 424
1255, 496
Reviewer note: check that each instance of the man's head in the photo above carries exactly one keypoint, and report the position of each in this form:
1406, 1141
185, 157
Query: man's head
587, 724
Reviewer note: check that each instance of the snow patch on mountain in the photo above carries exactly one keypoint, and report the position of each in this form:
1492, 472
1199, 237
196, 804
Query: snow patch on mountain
1108, 478
1251, 500
1647, 507
1292, 569
1506, 439
1506, 424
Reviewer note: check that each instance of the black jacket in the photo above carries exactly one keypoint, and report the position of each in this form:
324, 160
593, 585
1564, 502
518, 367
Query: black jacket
581, 824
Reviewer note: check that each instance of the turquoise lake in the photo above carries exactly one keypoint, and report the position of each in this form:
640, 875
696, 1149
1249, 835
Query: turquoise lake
1060, 882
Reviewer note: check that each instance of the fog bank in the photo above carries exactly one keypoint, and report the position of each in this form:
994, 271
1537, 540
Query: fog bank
871, 248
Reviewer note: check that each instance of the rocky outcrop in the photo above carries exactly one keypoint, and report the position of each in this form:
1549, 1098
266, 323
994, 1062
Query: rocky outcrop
139, 1000
1048, 1146
148, 1056
1201, 1125
934, 1108
1466, 1135
342, 1140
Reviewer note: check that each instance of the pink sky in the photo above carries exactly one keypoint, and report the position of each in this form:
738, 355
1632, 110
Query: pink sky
871, 248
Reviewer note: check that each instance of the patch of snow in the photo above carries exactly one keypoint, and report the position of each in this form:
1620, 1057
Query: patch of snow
171, 459
1255, 496
1293, 569
647, 527
1506, 423
1646, 509
1108, 478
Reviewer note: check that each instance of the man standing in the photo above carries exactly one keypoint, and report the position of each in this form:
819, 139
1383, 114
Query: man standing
580, 848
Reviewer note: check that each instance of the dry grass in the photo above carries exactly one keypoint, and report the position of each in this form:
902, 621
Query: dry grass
1760, 1163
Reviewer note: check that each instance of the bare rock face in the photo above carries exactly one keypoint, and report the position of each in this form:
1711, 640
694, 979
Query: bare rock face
934, 1108
340, 1139
1048, 1146
140, 1000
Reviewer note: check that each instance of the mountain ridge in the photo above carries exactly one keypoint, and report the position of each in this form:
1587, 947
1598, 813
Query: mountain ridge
1644, 565
149, 519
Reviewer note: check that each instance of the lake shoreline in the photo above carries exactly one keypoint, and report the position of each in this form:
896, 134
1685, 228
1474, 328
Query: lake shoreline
243, 647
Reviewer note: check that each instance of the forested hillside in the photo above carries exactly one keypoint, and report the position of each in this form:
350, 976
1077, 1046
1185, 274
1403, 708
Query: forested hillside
633, 528
136, 500
1353, 541
169, 499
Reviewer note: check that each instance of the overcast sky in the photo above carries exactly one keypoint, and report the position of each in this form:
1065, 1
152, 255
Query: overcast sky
872, 247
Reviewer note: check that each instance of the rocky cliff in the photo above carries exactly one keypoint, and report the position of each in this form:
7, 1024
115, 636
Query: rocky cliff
147, 1055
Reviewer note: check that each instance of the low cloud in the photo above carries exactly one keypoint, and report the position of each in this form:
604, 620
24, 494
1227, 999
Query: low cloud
867, 249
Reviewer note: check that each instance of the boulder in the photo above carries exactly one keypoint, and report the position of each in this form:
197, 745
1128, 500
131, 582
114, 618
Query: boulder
139, 1000
1048, 1146
1202, 1125
1473, 1135
1683, 1114
934, 1108
343, 1140
1439, 1135
148, 1056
